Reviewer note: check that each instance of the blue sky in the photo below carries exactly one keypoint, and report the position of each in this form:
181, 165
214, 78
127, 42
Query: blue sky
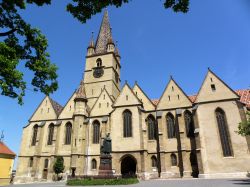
154, 43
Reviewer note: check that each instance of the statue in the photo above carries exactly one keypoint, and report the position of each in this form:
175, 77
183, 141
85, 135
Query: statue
106, 146
105, 168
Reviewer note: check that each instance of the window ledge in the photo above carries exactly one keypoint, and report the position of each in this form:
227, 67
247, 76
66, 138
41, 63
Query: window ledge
228, 157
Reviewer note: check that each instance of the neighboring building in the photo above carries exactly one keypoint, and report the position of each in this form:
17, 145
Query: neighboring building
196, 133
7, 158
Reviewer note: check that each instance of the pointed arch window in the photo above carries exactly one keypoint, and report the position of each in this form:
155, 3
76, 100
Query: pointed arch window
96, 132
153, 161
127, 123
224, 133
170, 126
173, 159
51, 134
68, 133
189, 124
93, 164
34, 136
151, 128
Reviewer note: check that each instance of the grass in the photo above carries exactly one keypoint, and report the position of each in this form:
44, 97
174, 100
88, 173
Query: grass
92, 182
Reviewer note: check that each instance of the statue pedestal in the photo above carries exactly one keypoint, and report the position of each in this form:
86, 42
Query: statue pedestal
105, 169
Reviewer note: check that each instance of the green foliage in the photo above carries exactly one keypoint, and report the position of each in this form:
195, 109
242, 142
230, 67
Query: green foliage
84, 9
92, 182
244, 127
23, 44
58, 165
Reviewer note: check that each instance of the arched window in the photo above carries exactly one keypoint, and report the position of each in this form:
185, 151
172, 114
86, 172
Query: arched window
46, 163
153, 161
223, 131
170, 125
99, 62
51, 134
96, 132
34, 137
189, 124
173, 159
151, 128
127, 123
68, 133
93, 164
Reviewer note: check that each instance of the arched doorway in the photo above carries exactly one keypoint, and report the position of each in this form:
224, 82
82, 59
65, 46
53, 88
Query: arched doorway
128, 166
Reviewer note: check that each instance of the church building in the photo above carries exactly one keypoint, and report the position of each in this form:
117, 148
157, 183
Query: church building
174, 136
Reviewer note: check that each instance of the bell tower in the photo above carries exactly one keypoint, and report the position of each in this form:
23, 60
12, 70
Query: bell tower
102, 68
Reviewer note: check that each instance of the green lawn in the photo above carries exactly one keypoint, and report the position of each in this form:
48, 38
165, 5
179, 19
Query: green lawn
90, 182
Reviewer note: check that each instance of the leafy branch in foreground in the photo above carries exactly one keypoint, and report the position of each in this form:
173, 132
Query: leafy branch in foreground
23, 44
85, 9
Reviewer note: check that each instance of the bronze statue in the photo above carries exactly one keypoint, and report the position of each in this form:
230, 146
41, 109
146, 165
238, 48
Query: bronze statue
106, 147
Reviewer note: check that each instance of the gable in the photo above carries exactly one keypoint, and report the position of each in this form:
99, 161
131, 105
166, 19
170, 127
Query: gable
45, 111
147, 104
127, 97
173, 97
103, 104
68, 109
214, 89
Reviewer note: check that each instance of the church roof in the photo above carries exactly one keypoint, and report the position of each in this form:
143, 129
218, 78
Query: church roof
5, 150
56, 106
104, 35
243, 93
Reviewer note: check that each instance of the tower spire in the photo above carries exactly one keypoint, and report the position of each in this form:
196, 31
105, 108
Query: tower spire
104, 35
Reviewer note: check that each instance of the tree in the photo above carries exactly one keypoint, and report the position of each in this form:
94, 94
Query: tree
244, 127
58, 166
22, 43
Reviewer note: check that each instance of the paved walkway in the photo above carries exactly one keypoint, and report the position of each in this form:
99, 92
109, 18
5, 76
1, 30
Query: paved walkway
166, 183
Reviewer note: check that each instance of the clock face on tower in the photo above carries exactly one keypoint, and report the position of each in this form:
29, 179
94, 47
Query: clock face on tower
98, 72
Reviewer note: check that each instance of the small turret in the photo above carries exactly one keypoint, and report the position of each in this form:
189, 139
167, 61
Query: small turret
110, 45
81, 100
91, 47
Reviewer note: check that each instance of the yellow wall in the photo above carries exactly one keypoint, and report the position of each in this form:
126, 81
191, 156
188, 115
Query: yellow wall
6, 165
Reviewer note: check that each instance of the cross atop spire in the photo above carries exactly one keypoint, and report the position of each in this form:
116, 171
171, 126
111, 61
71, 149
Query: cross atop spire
104, 35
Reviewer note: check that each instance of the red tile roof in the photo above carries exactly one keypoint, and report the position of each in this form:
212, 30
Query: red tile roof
5, 150
244, 97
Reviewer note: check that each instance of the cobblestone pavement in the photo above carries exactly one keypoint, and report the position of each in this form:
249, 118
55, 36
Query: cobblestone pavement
166, 183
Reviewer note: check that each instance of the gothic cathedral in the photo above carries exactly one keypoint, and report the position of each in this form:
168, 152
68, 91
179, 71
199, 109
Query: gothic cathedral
174, 136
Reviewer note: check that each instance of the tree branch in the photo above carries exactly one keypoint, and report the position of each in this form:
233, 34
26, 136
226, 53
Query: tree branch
8, 32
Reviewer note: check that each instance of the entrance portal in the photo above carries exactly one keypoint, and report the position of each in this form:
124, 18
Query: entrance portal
128, 166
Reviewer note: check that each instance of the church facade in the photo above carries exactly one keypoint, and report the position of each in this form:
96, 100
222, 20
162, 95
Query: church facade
174, 136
